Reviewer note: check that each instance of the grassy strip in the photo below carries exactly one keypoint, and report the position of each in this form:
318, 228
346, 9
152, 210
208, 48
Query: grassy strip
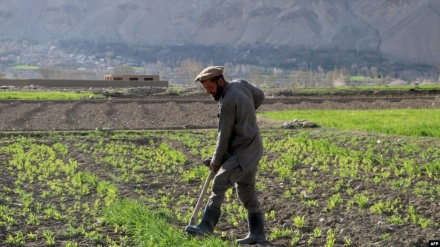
17, 95
26, 67
150, 228
363, 90
432, 89
408, 122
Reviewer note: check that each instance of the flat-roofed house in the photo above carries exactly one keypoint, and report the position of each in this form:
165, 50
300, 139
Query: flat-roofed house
131, 77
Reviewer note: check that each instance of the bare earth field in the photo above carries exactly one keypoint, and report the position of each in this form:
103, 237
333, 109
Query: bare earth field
167, 113
175, 113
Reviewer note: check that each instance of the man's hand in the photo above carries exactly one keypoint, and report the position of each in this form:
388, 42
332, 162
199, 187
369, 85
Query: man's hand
208, 162
214, 168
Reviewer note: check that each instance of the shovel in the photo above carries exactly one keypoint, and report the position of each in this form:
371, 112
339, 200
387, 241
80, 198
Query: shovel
193, 219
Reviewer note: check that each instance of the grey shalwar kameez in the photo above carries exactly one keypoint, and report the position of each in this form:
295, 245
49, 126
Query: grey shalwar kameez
239, 146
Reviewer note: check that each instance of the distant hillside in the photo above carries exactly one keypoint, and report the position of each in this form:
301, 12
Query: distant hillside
403, 30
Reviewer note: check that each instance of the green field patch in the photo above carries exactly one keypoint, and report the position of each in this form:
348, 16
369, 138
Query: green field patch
148, 227
139, 188
17, 95
26, 67
408, 122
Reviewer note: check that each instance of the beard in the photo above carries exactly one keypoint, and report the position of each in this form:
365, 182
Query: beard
218, 94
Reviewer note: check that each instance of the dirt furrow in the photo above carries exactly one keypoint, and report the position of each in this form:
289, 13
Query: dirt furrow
167, 113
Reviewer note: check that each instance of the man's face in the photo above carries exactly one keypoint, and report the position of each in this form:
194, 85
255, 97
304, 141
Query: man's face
214, 88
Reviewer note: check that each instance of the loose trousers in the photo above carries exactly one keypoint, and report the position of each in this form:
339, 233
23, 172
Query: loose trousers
231, 174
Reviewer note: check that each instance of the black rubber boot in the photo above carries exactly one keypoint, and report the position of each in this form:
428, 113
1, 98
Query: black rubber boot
208, 223
256, 230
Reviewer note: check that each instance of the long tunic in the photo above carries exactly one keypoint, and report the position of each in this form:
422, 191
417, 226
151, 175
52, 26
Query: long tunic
238, 132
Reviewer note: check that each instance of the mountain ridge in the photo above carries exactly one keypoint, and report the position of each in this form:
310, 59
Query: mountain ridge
404, 30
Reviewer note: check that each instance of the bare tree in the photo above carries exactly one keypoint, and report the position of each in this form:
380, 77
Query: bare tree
188, 70
256, 77
123, 70
337, 77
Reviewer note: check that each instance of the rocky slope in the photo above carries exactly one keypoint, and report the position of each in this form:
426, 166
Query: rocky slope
402, 29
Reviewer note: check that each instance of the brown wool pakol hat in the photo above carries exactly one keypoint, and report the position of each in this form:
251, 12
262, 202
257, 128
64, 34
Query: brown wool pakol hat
209, 73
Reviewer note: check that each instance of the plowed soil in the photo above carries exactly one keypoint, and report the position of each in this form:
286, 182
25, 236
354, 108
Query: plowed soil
168, 113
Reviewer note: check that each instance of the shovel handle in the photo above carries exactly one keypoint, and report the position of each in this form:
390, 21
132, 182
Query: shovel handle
193, 219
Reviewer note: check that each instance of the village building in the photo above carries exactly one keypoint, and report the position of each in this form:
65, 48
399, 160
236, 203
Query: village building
131, 77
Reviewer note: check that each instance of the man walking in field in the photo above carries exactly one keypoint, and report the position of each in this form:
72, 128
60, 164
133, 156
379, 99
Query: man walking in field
238, 151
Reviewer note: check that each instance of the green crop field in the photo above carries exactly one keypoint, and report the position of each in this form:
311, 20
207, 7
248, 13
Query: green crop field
26, 67
412, 122
20, 95
354, 184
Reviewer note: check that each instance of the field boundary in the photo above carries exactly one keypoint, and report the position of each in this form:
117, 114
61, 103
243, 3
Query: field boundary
82, 83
